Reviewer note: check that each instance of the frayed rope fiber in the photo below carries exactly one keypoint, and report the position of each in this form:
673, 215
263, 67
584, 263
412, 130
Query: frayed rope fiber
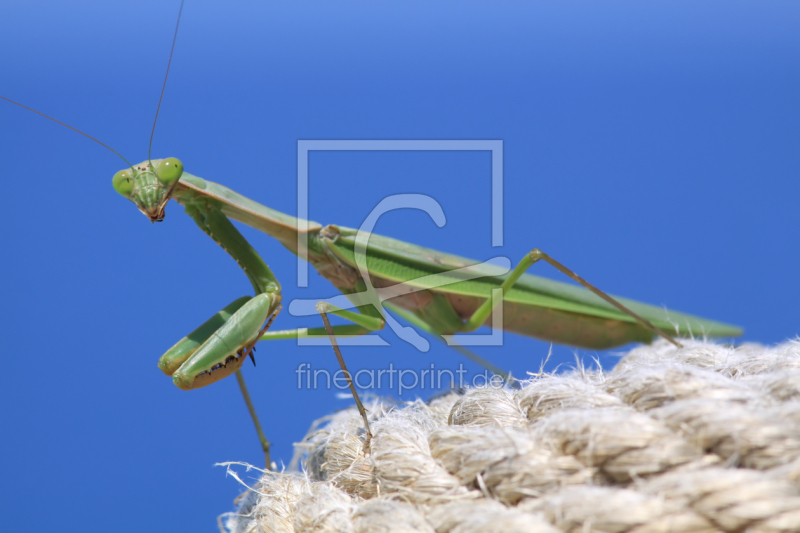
700, 439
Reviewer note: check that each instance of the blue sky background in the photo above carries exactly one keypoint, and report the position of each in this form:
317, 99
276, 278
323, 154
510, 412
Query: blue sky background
652, 147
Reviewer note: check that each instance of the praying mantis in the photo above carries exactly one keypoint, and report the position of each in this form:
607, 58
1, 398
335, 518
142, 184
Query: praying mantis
532, 306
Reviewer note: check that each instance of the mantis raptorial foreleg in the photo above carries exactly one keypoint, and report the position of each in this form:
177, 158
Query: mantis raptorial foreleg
219, 346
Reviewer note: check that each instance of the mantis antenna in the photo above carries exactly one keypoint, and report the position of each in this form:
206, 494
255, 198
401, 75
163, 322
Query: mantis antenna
164, 86
68, 126
152, 133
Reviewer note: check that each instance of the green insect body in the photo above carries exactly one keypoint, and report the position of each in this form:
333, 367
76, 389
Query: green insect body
534, 306
531, 305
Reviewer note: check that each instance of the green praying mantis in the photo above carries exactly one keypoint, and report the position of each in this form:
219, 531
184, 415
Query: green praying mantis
442, 294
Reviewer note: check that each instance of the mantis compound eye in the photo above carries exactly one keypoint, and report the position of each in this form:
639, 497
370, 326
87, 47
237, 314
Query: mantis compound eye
169, 171
123, 182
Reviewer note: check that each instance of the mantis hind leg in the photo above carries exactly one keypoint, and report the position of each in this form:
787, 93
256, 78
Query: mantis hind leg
482, 313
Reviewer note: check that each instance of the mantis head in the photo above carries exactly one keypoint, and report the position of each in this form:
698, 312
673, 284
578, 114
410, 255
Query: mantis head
149, 185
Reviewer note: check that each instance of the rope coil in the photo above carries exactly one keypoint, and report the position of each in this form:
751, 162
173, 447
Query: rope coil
704, 438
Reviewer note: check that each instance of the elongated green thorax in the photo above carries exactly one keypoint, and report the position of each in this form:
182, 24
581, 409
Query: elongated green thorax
149, 185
